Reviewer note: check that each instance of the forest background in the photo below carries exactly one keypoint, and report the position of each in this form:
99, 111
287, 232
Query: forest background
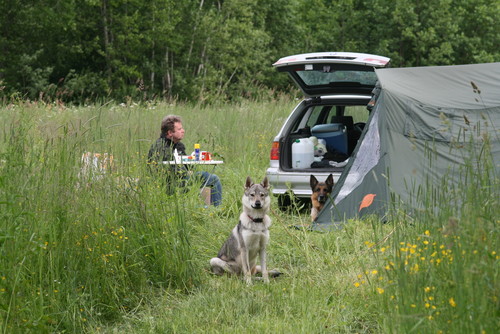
210, 50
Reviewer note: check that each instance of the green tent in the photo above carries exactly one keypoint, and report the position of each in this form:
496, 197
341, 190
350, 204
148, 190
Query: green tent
420, 131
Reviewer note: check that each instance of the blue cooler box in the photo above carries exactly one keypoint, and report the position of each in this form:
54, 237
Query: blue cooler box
334, 134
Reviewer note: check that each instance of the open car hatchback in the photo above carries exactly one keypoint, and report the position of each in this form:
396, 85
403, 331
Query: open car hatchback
337, 88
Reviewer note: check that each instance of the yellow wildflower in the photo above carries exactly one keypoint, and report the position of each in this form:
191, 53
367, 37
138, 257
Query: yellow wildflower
452, 302
369, 244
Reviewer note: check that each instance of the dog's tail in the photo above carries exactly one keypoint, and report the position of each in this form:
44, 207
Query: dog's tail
272, 272
218, 266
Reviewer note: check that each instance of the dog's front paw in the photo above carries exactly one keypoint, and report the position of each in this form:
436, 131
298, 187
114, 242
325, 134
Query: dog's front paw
265, 277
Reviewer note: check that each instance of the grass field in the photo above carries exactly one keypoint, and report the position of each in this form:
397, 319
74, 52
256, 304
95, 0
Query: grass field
120, 255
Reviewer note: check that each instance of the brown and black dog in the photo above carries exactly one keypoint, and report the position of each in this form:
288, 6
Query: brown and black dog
320, 193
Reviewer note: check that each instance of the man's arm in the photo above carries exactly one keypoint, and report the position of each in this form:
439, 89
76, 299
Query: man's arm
159, 151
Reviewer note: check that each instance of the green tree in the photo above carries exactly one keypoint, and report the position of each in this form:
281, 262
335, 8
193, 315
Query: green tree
225, 48
220, 49
479, 37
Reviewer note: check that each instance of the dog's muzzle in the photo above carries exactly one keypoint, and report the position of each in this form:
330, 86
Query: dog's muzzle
257, 205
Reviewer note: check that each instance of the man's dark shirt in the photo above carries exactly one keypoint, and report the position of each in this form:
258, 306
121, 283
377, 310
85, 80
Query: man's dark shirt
163, 150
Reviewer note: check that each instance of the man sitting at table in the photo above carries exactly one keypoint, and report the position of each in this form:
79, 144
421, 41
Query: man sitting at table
163, 149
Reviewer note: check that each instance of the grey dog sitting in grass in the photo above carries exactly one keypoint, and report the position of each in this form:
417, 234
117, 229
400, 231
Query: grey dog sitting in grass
249, 238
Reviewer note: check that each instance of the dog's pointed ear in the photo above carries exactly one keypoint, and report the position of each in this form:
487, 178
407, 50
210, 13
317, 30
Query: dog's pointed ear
248, 183
329, 181
265, 183
313, 181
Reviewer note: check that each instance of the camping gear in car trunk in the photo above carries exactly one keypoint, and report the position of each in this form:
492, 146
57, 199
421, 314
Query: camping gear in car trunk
334, 134
302, 153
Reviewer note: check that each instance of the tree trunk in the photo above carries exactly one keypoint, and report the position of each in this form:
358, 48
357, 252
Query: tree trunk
106, 38
167, 80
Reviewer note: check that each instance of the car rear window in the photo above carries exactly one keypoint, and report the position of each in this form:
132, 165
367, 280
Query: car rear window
323, 115
334, 78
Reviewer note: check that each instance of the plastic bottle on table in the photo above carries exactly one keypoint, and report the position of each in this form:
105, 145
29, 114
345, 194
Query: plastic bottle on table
177, 157
197, 152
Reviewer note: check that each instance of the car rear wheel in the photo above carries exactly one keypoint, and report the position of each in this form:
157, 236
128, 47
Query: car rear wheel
284, 202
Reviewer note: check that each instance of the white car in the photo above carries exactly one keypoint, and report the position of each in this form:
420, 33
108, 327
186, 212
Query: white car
337, 88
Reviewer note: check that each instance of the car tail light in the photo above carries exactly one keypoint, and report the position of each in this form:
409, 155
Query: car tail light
275, 151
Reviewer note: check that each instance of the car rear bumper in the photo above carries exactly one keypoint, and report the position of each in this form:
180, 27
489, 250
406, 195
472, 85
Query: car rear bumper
295, 182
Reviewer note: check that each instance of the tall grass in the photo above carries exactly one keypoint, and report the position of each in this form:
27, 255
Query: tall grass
438, 269
120, 254
79, 249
